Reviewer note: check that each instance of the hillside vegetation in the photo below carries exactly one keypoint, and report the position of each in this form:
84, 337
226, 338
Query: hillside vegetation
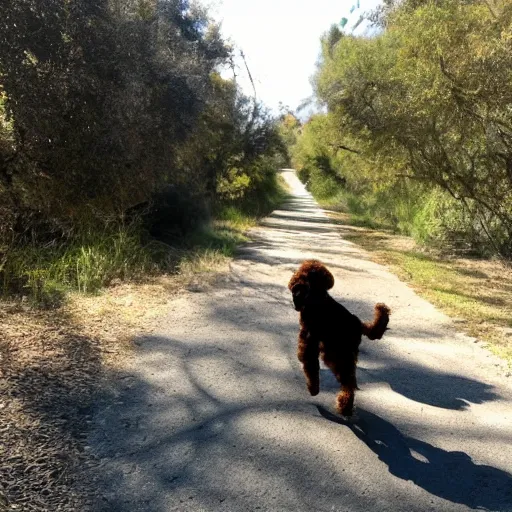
119, 140
417, 130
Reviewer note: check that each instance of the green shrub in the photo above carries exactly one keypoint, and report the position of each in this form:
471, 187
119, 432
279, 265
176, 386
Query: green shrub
85, 263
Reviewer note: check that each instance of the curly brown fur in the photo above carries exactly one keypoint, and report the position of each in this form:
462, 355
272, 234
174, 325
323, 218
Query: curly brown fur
328, 330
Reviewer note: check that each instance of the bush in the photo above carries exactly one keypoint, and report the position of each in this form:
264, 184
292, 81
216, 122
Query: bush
445, 224
85, 264
118, 138
426, 98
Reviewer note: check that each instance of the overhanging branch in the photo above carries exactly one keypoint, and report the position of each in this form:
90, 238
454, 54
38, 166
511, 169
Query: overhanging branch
340, 147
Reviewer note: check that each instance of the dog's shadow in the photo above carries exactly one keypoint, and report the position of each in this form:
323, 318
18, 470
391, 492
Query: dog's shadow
423, 385
452, 476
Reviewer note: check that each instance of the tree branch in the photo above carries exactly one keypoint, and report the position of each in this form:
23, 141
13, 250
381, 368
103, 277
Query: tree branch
452, 79
346, 148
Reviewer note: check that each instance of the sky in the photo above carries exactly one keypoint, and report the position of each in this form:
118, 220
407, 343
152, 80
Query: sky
281, 41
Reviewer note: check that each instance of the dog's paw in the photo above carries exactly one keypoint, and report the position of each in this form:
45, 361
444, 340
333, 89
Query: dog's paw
314, 390
346, 412
352, 418
344, 409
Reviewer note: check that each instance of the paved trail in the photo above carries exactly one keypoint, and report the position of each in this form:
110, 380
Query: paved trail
216, 415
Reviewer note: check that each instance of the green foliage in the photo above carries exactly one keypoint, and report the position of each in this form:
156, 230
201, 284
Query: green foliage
421, 114
99, 98
234, 145
94, 259
210, 244
89, 262
111, 115
289, 130
266, 195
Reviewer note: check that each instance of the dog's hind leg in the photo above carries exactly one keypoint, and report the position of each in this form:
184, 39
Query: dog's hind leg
345, 373
345, 401
308, 352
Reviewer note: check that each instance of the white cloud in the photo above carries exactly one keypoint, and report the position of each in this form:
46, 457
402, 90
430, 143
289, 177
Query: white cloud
280, 39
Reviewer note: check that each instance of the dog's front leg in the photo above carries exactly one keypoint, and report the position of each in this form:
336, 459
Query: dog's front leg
308, 352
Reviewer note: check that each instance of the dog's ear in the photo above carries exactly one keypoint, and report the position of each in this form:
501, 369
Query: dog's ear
294, 279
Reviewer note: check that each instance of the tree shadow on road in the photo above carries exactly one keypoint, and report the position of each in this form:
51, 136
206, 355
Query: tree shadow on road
188, 447
421, 384
181, 437
431, 387
452, 476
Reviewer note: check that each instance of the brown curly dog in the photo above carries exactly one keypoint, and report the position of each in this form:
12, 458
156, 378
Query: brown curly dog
329, 330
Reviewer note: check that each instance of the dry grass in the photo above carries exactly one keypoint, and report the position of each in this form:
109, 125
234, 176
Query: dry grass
54, 363
478, 293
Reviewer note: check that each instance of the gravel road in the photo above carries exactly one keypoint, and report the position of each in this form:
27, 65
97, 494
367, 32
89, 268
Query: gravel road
215, 415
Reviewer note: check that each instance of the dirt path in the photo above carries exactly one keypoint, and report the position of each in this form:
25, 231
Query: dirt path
215, 415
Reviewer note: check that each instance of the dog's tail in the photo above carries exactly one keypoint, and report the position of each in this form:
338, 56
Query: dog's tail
376, 329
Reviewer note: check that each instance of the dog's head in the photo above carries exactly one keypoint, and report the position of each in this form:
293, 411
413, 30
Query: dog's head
311, 280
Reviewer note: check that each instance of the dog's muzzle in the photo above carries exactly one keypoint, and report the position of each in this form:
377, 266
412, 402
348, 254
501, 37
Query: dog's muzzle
298, 304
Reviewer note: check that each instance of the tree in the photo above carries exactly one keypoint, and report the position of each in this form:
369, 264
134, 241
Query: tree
99, 99
429, 99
